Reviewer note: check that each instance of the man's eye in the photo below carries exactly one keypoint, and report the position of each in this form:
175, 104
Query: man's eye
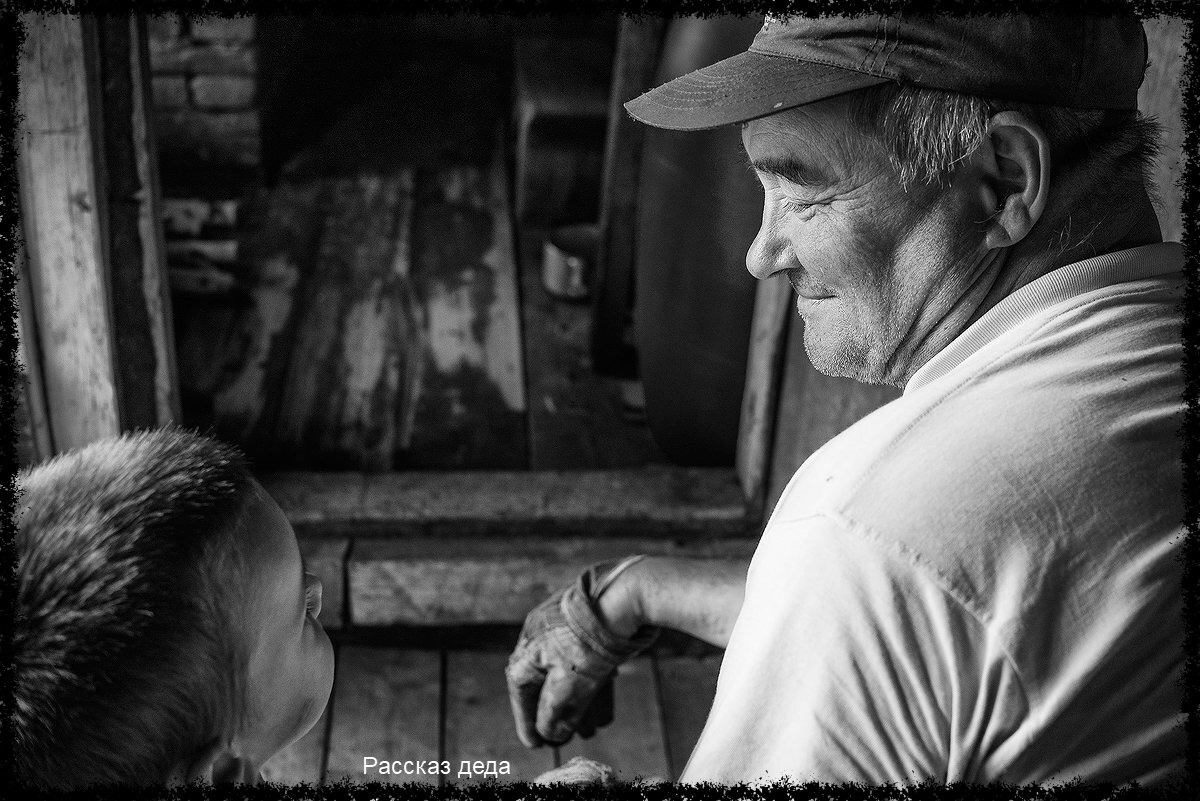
796, 206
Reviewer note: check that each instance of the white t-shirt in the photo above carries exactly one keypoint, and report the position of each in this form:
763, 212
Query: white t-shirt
980, 581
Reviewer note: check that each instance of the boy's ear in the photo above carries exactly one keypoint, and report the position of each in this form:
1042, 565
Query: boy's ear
216, 763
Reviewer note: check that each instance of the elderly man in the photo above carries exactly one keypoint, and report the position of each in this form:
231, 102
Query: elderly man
979, 581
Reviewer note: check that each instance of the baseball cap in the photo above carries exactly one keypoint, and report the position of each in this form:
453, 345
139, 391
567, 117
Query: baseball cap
1077, 61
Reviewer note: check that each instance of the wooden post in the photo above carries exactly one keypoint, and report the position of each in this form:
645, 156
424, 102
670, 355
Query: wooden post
768, 332
32, 392
141, 308
638, 45
88, 201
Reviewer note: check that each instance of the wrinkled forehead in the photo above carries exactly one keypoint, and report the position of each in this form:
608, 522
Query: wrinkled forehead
820, 135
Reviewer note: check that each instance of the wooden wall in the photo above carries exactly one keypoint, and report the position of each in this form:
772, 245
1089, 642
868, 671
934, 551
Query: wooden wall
94, 316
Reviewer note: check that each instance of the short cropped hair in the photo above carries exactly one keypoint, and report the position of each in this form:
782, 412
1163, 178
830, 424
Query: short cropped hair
127, 569
927, 132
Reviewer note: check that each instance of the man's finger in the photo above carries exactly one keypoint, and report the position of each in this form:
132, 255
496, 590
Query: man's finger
602, 704
564, 699
523, 693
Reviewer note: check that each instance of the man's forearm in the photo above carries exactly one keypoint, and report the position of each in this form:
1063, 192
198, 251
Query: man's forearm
700, 597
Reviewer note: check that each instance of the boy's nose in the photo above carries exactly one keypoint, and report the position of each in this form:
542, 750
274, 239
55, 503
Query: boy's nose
313, 589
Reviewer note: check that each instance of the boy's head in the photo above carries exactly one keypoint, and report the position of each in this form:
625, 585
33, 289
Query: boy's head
165, 628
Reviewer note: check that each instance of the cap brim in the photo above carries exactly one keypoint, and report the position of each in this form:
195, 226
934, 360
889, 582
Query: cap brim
741, 88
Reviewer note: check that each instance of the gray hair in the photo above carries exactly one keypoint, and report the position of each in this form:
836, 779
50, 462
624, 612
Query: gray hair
927, 132
126, 576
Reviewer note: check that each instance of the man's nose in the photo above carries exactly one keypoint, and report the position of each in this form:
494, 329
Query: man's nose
763, 257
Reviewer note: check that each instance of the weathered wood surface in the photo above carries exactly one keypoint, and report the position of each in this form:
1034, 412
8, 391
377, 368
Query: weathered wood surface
634, 64
472, 581
577, 418
349, 351
40, 443
692, 503
234, 351
374, 325
812, 409
479, 723
304, 760
773, 303
62, 215
686, 688
386, 704
632, 744
137, 271
470, 397
1161, 95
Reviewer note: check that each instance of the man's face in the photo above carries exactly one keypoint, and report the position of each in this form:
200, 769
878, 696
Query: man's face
877, 269
290, 671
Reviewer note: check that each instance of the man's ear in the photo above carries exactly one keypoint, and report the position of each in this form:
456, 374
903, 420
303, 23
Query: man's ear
1015, 161
215, 763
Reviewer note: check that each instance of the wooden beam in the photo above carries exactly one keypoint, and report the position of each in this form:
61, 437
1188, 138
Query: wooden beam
688, 503
62, 210
89, 200
470, 400
768, 333
351, 346
638, 45
459, 581
147, 386
30, 358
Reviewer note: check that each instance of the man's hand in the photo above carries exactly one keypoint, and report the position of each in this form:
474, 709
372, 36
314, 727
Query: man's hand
559, 675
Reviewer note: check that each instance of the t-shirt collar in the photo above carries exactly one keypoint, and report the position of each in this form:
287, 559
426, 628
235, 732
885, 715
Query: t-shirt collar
1066, 282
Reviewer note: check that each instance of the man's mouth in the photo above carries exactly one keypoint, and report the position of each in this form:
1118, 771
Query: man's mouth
806, 292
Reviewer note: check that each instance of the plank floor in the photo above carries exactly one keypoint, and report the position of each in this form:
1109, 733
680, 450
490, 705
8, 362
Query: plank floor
451, 705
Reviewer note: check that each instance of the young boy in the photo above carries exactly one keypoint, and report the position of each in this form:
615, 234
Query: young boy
165, 626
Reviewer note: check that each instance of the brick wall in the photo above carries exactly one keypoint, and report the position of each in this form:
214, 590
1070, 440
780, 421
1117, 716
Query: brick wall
207, 125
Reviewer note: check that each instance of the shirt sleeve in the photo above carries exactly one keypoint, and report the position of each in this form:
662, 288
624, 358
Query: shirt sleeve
848, 663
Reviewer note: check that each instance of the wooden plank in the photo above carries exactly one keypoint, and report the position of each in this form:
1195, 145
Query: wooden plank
479, 723
470, 413
41, 445
338, 408
693, 503
686, 687
386, 704
304, 760
768, 334
156, 282
450, 581
326, 559
636, 59
1161, 96
63, 220
813, 409
137, 274
633, 743
251, 341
